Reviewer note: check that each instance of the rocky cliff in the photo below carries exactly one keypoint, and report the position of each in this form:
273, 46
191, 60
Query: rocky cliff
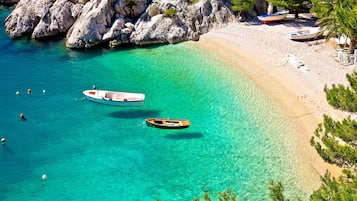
87, 23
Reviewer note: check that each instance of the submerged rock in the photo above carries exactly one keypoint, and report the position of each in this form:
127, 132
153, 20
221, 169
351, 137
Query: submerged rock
8, 2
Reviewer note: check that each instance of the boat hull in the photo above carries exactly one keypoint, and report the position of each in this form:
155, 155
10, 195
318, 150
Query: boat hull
116, 99
305, 34
167, 123
275, 17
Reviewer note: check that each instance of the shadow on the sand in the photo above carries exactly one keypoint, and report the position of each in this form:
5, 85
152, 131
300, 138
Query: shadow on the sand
300, 22
289, 22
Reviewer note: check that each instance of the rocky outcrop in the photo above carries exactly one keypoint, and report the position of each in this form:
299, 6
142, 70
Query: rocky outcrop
92, 24
141, 22
25, 17
187, 22
130, 9
58, 20
159, 29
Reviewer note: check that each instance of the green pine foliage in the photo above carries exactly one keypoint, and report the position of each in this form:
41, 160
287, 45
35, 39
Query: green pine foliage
345, 188
277, 191
341, 97
337, 17
294, 6
242, 5
227, 195
338, 140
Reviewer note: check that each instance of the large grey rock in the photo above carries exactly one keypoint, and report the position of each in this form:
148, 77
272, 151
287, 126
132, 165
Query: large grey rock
114, 31
57, 20
26, 15
159, 29
188, 23
93, 23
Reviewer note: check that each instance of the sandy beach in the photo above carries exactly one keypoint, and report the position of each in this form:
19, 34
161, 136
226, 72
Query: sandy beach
261, 52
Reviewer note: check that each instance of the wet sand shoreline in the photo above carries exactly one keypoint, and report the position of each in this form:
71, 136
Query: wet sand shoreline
260, 51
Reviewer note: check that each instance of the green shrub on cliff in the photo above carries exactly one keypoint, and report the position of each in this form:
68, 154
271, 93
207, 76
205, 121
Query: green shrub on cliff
170, 12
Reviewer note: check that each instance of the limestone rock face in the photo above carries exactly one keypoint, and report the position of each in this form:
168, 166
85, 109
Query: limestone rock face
58, 20
92, 24
187, 22
87, 23
114, 30
159, 29
25, 17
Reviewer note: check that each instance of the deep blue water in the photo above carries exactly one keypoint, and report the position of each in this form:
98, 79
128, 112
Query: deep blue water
238, 138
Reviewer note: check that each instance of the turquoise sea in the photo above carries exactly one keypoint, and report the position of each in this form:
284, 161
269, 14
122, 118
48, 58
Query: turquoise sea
238, 138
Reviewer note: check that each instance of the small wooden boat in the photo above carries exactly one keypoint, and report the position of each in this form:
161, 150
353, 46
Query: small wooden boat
278, 16
115, 98
167, 123
308, 34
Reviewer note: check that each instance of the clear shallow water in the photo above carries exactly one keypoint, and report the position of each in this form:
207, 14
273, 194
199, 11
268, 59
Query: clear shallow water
238, 138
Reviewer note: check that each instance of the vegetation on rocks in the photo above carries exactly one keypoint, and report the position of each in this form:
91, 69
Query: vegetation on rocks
170, 12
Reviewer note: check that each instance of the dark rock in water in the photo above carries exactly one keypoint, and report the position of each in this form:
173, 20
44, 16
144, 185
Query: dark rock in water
8, 2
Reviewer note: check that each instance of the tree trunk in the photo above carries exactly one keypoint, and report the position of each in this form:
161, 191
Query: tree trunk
352, 46
270, 8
